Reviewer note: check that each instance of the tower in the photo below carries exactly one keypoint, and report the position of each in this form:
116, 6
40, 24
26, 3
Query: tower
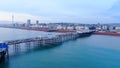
37, 22
12, 18
28, 22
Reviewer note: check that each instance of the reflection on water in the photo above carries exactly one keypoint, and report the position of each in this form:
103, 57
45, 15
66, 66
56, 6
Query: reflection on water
23, 49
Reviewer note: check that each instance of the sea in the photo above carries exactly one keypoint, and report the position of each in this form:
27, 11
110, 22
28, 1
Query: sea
95, 51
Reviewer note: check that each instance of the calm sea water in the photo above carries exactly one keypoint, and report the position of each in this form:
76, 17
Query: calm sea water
95, 51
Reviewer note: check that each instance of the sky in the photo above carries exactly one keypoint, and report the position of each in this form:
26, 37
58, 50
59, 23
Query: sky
53, 11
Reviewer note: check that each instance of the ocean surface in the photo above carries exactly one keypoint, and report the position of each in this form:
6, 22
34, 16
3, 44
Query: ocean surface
95, 51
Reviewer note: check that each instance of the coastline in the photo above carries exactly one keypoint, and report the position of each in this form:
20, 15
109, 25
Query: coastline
107, 33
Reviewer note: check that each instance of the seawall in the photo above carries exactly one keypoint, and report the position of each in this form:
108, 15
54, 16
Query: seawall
107, 33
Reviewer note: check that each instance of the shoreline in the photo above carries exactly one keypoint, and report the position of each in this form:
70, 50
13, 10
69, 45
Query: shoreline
65, 31
107, 33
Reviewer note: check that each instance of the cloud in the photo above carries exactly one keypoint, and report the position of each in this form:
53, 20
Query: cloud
59, 10
114, 12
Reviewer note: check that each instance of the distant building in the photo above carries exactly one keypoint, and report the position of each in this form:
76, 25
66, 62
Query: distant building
15, 25
111, 28
33, 25
28, 21
98, 28
82, 28
79, 27
70, 27
64, 27
52, 26
59, 27
117, 27
86, 28
104, 27
37, 22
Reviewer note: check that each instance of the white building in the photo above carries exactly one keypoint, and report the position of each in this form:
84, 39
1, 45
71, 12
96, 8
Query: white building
104, 27
117, 27
64, 27
59, 27
82, 28
70, 28
79, 28
98, 28
86, 28
111, 28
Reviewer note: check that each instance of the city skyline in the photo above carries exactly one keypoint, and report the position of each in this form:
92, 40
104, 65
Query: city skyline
82, 11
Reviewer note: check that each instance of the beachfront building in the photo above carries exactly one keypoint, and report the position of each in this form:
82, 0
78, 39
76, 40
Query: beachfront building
70, 27
104, 27
111, 28
64, 27
42, 25
59, 27
34, 26
81, 28
86, 28
52, 26
28, 22
99, 28
37, 22
117, 28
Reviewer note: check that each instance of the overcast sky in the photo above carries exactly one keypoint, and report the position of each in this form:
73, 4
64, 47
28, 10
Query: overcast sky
77, 11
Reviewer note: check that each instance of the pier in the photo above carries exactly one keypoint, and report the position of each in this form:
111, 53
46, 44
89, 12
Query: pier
3, 51
50, 39
40, 41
